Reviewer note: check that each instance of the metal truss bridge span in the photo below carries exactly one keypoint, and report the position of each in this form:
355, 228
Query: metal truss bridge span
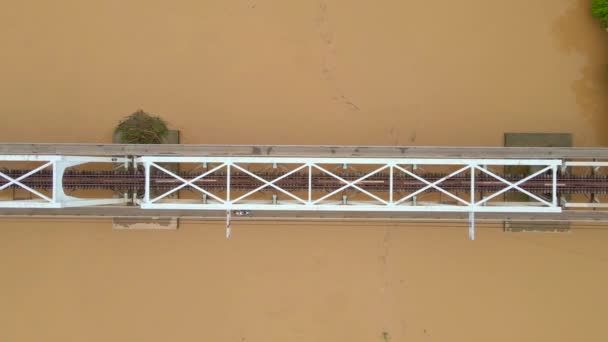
255, 180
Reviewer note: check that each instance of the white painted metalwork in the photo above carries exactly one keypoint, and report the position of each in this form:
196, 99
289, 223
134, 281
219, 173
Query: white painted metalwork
58, 199
406, 203
229, 200
324, 203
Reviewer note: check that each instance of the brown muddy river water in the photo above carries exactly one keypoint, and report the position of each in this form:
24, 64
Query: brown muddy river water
309, 72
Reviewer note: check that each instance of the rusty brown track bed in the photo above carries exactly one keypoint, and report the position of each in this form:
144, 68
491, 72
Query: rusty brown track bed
125, 181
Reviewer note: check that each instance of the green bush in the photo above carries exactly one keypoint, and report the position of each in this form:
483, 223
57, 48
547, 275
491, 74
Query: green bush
142, 128
599, 10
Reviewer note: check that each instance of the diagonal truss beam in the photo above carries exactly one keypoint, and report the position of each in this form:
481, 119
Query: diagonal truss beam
514, 185
433, 184
185, 182
350, 184
16, 181
271, 183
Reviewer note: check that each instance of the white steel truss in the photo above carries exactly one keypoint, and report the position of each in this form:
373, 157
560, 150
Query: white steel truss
376, 203
324, 203
393, 203
58, 198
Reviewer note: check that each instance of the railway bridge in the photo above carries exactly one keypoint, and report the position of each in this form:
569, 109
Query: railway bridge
304, 182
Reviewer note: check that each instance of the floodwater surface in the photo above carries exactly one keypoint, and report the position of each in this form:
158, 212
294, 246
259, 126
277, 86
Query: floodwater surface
310, 72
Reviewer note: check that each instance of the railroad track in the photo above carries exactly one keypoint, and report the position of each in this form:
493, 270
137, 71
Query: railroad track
123, 181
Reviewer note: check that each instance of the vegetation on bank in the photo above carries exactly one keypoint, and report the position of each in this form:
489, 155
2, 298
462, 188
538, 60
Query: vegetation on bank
599, 10
142, 128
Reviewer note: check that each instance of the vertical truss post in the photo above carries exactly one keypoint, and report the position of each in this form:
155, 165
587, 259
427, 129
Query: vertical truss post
481, 195
309, 183
147, 182
56, 177
390, 191
228, 182
472, 204
554, 185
